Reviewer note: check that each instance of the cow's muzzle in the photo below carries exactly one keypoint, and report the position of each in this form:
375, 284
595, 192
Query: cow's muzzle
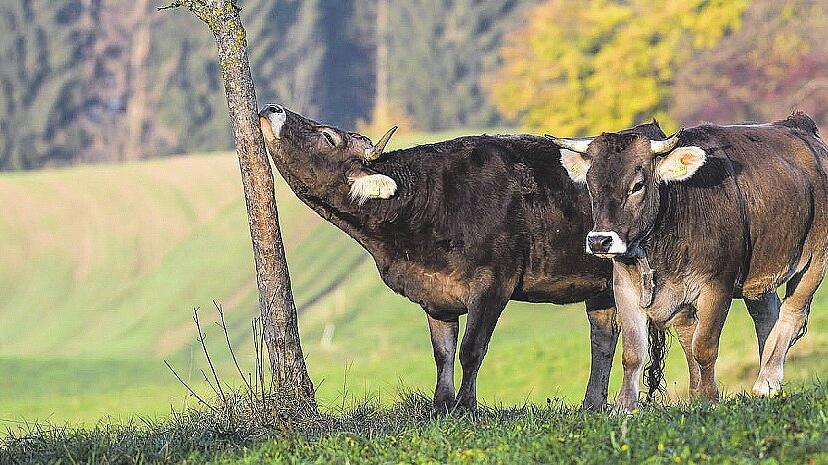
272, 117
605, 244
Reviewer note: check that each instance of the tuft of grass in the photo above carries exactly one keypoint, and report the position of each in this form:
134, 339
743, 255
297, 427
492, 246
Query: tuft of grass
739, 430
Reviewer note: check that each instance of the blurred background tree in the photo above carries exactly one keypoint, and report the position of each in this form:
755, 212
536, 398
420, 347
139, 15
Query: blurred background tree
580, 67
111, 80
777, 60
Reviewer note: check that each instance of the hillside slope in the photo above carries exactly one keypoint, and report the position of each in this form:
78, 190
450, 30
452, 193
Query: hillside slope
102, 266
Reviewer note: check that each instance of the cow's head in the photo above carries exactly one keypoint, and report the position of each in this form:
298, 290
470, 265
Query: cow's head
623, 173
315, 152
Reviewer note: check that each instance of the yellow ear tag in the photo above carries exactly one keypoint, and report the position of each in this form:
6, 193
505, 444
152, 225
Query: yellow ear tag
574, 170
680, 170
377, 191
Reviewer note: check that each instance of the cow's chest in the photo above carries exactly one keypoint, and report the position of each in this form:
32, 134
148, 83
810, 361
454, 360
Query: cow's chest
662, 299
433, 288
671, 296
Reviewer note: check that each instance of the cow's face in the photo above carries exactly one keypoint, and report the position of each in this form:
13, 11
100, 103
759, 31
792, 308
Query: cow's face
623, 173
315, 151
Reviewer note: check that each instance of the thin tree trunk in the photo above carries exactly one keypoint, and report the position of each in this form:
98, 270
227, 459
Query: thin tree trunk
276, 303
136, 111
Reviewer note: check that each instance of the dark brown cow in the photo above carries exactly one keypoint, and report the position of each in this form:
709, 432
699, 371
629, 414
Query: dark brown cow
688, 222
459, 227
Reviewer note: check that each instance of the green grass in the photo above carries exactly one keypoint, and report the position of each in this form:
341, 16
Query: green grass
739, 430
102, 266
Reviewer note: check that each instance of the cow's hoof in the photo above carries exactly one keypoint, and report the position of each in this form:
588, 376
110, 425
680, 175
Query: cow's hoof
465, 405
620, 410
443, 406
595, 405
767, 388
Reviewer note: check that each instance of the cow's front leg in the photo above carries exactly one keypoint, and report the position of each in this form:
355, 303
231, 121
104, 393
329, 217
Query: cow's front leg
484, 312
604, 330
634, 355
444, 342
634, 342
711, 312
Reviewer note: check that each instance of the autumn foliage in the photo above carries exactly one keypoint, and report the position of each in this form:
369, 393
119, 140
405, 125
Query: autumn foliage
580, 67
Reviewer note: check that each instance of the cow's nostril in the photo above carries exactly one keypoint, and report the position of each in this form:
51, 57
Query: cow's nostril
600, 243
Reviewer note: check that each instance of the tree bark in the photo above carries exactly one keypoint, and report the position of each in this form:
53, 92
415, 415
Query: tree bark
278, 311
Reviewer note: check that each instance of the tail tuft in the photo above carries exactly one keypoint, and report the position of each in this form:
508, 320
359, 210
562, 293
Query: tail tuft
654, 371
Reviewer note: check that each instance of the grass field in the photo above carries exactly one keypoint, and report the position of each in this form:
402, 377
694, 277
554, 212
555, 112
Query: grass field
740, 430
103, 265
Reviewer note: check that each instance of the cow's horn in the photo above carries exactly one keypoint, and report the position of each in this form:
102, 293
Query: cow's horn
379, 148
663, 146
576, 145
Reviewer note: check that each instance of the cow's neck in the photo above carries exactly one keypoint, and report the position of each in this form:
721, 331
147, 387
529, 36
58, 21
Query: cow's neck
330, 199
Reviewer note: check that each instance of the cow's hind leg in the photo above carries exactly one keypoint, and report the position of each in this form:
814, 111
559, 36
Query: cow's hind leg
444, 342
793, 317
484, 311
604, 330
765, 312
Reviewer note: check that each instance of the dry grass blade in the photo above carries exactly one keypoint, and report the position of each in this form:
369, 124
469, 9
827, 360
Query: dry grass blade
202, 401
207, 356
223, 326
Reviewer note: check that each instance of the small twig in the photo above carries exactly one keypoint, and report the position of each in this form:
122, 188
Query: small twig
207, 355
207, 380
172, 5
188, 387
223, 325
255, 349
261, 360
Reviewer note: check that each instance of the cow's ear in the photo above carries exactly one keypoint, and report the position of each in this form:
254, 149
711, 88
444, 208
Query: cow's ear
575, 164
680, 164
371, 186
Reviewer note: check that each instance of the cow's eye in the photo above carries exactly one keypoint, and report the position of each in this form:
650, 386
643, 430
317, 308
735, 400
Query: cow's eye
637, 187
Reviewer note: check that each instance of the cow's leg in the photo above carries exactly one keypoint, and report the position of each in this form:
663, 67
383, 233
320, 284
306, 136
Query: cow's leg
604, 330
711, 312
685, 324
793, 317
484, 311
634, 342
444, 342
765, 312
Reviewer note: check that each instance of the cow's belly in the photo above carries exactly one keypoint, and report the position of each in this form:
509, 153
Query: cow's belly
561, 289
770, 276
562, 274
776, 257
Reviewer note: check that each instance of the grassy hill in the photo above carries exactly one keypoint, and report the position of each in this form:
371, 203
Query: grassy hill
102, 266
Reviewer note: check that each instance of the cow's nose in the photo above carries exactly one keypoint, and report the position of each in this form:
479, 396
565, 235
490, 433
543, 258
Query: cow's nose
271, 108
599, 243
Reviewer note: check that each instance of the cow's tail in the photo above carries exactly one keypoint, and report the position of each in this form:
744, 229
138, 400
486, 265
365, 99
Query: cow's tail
654, 371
